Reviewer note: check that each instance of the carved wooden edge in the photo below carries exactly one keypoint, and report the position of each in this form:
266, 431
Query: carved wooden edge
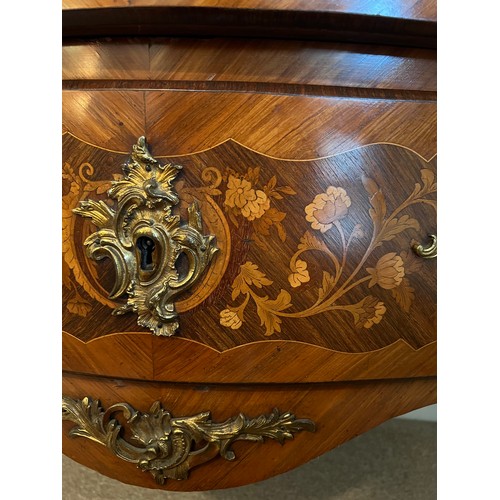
169, 447
141, 356
150, 19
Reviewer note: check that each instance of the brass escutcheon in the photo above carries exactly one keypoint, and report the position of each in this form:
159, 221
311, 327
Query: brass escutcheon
145, 240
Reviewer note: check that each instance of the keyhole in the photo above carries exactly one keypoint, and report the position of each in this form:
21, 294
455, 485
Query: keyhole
146, 247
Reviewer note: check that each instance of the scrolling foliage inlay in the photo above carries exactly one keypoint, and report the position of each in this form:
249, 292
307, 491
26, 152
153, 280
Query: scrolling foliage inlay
325, 213
169, 447
300, 243
145, 241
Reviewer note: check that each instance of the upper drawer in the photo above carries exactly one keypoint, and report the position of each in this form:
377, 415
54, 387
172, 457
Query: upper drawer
315, 205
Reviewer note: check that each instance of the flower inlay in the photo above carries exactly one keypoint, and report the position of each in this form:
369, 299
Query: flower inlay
327, 212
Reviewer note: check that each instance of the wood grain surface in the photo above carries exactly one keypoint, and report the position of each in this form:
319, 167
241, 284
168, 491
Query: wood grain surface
282, 126
315, 68
139, 355
104, 116
340, 411
315, 304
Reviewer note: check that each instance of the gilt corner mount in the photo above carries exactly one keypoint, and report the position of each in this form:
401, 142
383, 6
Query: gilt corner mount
145, 240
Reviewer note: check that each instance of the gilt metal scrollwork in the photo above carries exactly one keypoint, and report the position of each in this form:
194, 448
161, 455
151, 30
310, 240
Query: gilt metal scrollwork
145, 240
169, 447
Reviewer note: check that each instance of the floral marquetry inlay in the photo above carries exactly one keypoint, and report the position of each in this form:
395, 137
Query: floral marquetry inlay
328, 208
325, 213
248, 198
320, 251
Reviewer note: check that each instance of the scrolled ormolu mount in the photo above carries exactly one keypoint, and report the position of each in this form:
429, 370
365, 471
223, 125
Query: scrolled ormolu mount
145, 240
169, 447
429, 252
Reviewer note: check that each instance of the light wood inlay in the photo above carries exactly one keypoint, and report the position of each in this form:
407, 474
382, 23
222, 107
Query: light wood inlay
139, 355
289, 127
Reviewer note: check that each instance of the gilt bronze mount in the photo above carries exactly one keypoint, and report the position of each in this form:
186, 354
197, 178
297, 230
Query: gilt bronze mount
429, 252
169, 447
145, 240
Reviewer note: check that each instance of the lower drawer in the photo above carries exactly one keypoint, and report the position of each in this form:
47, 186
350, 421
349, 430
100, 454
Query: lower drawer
251, 432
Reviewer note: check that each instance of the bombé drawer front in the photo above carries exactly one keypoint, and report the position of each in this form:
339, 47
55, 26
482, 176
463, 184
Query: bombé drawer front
216, 237
188, 437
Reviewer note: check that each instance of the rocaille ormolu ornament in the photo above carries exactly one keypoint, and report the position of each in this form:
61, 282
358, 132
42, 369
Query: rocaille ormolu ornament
145, 240
170, 447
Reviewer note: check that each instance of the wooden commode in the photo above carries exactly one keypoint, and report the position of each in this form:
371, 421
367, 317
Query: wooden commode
249, 232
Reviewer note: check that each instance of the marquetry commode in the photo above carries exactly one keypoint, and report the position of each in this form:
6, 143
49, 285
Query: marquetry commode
249, 232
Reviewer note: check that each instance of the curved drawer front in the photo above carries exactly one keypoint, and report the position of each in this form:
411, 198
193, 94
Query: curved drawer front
312, 260
220, 436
